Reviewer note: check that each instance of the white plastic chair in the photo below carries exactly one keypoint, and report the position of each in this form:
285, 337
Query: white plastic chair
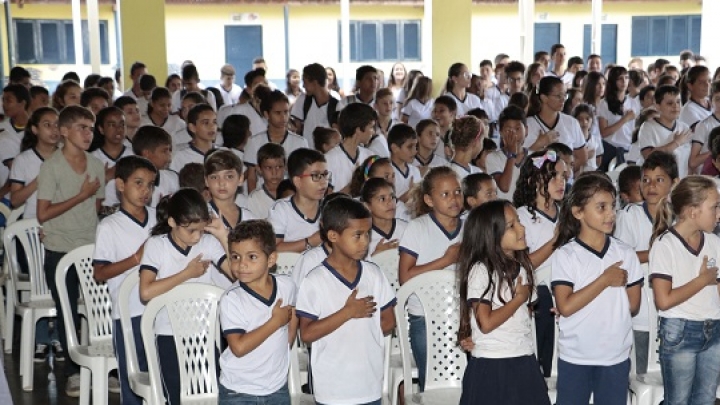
138, 380
40, 303
20, 286
285, 262
193, 312
295, 378
446, 361
647, 388
97, 357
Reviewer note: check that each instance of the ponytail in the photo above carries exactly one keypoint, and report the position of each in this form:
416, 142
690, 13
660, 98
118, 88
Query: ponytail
185, 207
663, 218
162, 227
691, 191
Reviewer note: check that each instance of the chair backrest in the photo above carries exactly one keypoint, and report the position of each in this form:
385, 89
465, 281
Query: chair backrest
27, 233
285, 262
438, 292
128, 286
389, 261
193, 312
15, 215
98, 304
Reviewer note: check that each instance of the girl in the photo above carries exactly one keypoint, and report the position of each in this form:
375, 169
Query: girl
378, 195
173, 83
579, 79
596, 282
158, 112
325, 139
616, 117
110, 135
292, 85
583, 113
180, 251
535, 72
67, 93
332, 83
647, 97
403, 93
694, 90
574, 97
594, 88
467, 139
398, 77
430, 242
540, 190
428, 140
683, 272
376, 167
419, 104
496, 286
456, 87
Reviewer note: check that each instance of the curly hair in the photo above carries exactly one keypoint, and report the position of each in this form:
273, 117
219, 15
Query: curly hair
533, 180
464, 131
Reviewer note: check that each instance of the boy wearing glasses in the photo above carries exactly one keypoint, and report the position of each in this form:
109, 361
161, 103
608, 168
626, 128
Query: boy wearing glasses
296, 219
69, 193
356, 125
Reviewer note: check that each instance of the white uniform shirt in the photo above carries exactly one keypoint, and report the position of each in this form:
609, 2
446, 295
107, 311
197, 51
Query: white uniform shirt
495, 164
230, 97
308, 260
594, 143
289, 223
290, 143
259, 202
417, 111
434, 161
25, 169
184, 155
10, 140
567, 127
166, 183
378, 146
470, 102
111, 197
118, 237
265, 369
355, 350
623, 136
317, 116
463, 171
343, 166
693, 112
172, 124
701, 135
258, 123
176, 101
600, 333
538, 231
653, 134
405, 180
244, 215
377, 235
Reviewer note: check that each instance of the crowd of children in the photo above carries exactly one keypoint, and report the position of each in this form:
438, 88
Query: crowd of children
501, 177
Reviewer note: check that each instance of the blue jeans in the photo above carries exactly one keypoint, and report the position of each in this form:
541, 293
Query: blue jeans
73, 289
127, 396
418, 345
689, 353
608, 384
230, 397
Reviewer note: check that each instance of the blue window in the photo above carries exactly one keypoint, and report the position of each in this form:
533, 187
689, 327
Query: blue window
665, 36
374, 41
52, 42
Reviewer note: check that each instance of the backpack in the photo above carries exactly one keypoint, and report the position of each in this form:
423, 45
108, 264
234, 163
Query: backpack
332, 106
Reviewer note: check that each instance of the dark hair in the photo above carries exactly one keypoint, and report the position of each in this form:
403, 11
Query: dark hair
663, 90
219, 101
513, 67
644, 116
713, 141
149, 138
589, 89
426, 186
486, 62
222, 159
302, 158
628, 177
315, 72
666, 80
478, 113
365, 172
471, 186
190, 72
636, 77
337, 213
105, 80
38, 90
571, 93
355, 116
235, 131
539, 55
422, 125
147, 82
157, 94
288, 75
127, 165
484, 229
421, 90
583, 189
690, 77
583, 108
555, 47
98, 136
71, 114
332, 85
520, 100
30, 139
371, 187
18, 74
453, 71
258, 230
410, 80
195, 112
192, 175
511, 113
645, 90
122, 101
285, 186
195, 97
382, 93
465, 131
321, 135
663, 160
689, 192
135, 67
71, 76
270, 151
581, 75
250, 76
575, 60
186, 206
533, 180
544, 88
615, 104
448, 102
170, 78
21, 93
362, 71
89, 94
399, 134
489, 145
268, 101
91, 80
561, 149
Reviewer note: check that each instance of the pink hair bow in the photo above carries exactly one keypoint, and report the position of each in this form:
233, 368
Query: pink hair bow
549, 155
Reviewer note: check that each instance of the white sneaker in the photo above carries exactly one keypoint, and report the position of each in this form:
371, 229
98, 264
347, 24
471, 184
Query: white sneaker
41, 352
113, 384
72, 386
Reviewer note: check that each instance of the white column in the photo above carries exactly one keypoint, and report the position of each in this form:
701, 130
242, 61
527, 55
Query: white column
345, 34
596, 34
94, 32
710, 32
77, 33
526, 12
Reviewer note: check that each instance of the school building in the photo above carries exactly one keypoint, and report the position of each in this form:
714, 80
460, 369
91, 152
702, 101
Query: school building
427, 35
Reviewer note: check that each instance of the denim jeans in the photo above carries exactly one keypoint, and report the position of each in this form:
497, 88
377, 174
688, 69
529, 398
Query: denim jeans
689, 353
127, 396
418, 345
608, 384
73, 290
230, 397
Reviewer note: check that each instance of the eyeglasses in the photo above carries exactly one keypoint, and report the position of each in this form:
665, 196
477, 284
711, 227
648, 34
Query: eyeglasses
318, 176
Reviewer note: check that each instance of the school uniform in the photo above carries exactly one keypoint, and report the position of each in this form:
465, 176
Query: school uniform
464, 171
702, 130
594, 144
25, 169
171, 125
177, 96
466, 104
184, 155
566, 126
244, 215
416, 111
10, 140
166, 183
308, 260
495, 164
376, 235
404, 180
264, 370
231, 96
694, 112
258, 123
378, 145
347, 364
290, 143
654, 134
343, 166
260, 201
622, 138
499, 101
289, 223
433, 161
111, 197
317, 116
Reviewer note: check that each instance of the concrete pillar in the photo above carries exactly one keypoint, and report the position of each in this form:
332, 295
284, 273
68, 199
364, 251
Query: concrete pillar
142, 25
710, 32
451, 37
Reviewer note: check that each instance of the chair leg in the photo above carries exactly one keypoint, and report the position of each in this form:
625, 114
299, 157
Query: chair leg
85, 380
9, 317
2, 308
99, 382
27, 343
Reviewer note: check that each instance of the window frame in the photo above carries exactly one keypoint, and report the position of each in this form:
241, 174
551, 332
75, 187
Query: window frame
357, 40
66, 54
643, 43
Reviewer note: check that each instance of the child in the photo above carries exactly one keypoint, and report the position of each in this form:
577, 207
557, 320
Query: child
120, 239
345, 308
250, 109
15, 103
356, 124
110, 135
666, 132
504, 165
444, 112
696, 85
95, 99
594, 146
130, 109
456, 88
256, 361
223, 176
419, 104
616, 116
325, 139
466, 139
489, 146
712, 164
478, 189
271, 166
155, 144
295, 219
39, 97
647, 97
700, 149
428, 140
314, 108
496, 286
365, 78
192, 176
275, 107
403, 147
182, 137
202, 125
67, 93
70, 190
158, 112
378, 195
596, 281
181, 251
384, 110
629, 185
430, 242
634, 227
376, 167
235, 134
683, 272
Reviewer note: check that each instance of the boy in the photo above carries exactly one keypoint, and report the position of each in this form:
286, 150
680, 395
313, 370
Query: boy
271, 166
356, 125
700, 149
39, 97
443, 113
594, 63
193, 176
15, 101
250, 109
711, 167
383, 108
191, 82
182, 137
95, 99
478, 188
228, 89
316, 106
634, 226
504, 164
365, 78
130, 109
202, 126
403, 148
276, 109
629, 185
258, 319
120, 238
345, 307
296, 219
428, 140
155, 144
666, 132
557, 55
223, 176
69, 193
137, 70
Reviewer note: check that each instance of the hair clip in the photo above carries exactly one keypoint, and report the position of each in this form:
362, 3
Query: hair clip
550, 155
371, 161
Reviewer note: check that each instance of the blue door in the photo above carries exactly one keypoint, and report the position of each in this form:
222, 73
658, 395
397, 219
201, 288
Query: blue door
608, 38
546, 35
243, 43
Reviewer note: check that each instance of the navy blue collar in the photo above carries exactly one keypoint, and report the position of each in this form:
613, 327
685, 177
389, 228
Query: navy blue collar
349, 284
357, 153
268, 302
688, 247
388, 235
647, 211
225, 221
308, 220
177, 247
407, 169
450, 235
599, 254
140, 224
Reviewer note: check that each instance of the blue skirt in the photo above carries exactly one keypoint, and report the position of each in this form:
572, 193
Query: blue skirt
506, 381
